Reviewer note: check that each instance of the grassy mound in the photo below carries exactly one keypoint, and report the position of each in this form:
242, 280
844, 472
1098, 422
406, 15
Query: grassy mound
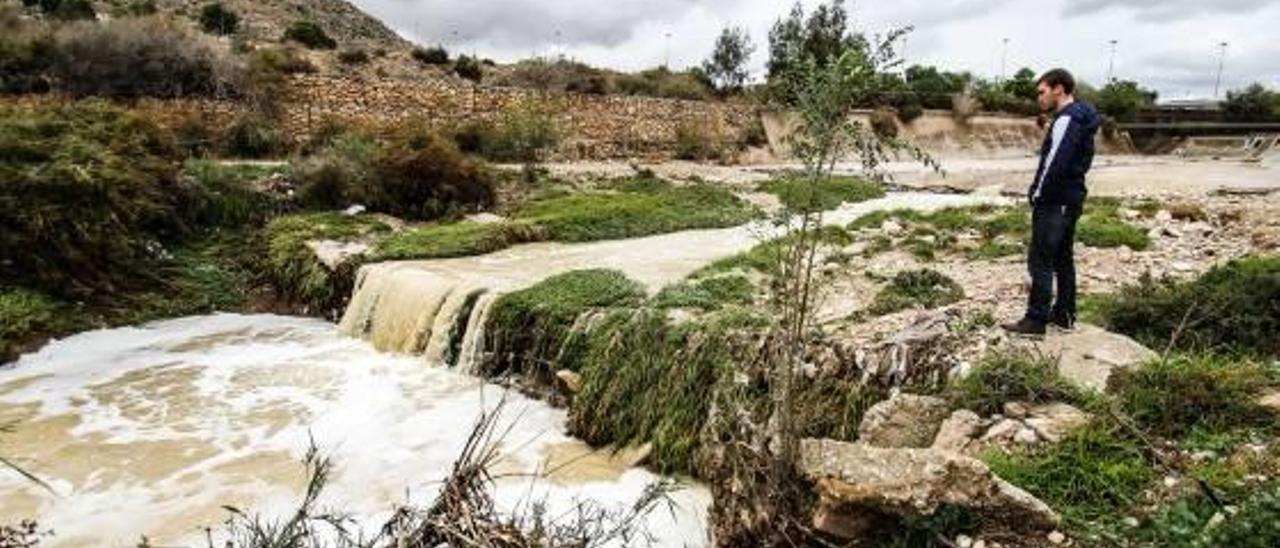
801, 195
706, 293
455, 240
1231, 308
916, 288
528, 328
294, 267
639, 208
1012, 376
1172, 398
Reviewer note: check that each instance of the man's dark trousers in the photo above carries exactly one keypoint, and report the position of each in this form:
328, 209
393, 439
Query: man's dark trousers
1053, 234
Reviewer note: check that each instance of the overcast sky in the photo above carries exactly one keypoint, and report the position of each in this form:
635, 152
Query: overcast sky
1170, 45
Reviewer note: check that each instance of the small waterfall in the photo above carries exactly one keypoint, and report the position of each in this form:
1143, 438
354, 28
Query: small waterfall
404, 310
473, 337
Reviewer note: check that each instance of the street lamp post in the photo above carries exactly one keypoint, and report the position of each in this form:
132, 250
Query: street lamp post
1004, 51
1222, 57
1111, 65
666, 52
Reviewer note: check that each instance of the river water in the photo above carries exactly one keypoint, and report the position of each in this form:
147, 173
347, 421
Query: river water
150, 430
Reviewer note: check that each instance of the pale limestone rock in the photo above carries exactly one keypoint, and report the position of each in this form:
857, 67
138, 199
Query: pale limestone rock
1089, 354
570, 381
1053, 421
905, 420
958, 431
856, 478
1026, 436
1003, 430
332, 253
1015, 409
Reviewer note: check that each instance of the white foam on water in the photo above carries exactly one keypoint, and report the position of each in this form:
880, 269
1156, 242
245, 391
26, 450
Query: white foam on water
150, 429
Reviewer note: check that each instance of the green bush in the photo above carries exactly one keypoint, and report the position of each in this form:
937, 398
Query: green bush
253, 135
916, 288
1173, 397
1001, 377
468, 67
217, 19
421, 176
141, 57
630, 213
526, 132
1234, 307
66, 10
222, 195
26, 53
85, 193
338, 175
1093, 473
829, 193
309, 34
1253, 526
528, 328
431, 56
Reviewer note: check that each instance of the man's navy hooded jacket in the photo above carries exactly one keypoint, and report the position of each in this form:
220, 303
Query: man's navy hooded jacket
1065, 156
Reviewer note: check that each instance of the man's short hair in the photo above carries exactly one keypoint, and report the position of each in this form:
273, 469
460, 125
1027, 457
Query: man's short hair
1059, 77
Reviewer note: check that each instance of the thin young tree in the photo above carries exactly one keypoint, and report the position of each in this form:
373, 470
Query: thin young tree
727, 66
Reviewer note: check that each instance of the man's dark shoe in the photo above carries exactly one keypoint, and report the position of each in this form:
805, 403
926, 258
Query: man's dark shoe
1025, 326
1066, 322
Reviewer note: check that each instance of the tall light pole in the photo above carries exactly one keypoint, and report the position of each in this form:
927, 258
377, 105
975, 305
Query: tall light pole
1004, 51
666, 52
1111, 65
559, 46
1222, 57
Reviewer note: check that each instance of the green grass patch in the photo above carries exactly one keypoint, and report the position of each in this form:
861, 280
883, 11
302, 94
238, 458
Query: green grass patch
1001, 231
829, 193
766, 257
528, 329
1001, 377
916, 288
1093, 473
1102, 232
1231, 308
26, 317
1173, 397
645, 380
706, 293
659, 208
454, 240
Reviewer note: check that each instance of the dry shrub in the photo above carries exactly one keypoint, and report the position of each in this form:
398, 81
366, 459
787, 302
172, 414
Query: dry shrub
141, 57
421, 175
884, 122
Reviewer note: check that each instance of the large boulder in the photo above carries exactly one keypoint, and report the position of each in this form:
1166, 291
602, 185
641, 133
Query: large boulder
1089, 354
857, 482
904, 420
957, 432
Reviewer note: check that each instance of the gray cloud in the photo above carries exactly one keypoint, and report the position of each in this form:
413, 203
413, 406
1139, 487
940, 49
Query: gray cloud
1164, 10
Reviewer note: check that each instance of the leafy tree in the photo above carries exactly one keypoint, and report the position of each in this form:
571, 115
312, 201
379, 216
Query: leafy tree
823, 36
727, 67
1255, 102
1022, 85
933, 87
216, 19
1121, 99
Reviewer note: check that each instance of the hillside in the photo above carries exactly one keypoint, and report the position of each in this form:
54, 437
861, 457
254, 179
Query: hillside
266, 20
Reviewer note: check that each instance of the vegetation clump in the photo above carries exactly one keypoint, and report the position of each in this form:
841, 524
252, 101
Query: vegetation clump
217, 19
649, 206
707, 294
461, 239
1233, 307
1001, 377
1177, 396
916, 288
293, 266
309, 34
826, 194
431, 56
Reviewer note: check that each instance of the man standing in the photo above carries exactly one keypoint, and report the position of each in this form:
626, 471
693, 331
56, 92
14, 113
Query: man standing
1057, 198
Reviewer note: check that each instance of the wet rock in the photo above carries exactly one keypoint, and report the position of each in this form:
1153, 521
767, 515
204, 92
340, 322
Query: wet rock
905, 420
1089, 354
858, 479
1053, 421
958, 431
569, 382
333, 254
